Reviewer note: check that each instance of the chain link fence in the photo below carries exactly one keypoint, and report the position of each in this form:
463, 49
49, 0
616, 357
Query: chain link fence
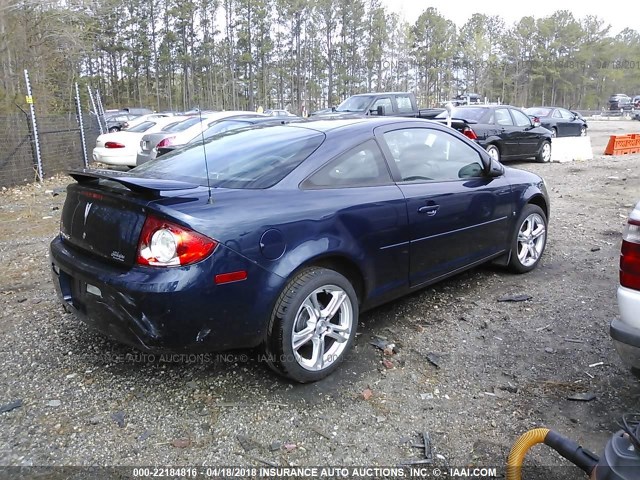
60, 145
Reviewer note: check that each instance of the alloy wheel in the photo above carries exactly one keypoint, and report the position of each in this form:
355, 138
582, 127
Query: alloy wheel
322, 327
531, 239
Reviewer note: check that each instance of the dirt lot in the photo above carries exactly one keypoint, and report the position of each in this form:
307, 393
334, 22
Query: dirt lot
503, 367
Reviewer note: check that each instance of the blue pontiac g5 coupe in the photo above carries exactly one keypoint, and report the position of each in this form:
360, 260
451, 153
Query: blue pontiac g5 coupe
279, 236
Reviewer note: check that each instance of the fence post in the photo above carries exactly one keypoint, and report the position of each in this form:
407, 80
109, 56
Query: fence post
34, 128
82, 139
101, 109
95, 109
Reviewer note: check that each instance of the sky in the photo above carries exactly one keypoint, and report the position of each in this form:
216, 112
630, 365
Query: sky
618, 14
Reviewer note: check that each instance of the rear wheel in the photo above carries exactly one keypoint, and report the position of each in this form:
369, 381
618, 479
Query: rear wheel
554, 132
493, 152
312, 326
529, 239
544, 154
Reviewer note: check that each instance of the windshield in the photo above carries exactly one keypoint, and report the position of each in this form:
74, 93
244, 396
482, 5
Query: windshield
538, 112
355, 104
465, 113
245, 158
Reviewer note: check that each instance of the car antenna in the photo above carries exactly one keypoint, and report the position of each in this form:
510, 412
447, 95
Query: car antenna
204, 152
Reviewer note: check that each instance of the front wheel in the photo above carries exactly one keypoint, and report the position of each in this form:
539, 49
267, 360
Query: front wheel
312, 326
583, 131
529, 239
544, 154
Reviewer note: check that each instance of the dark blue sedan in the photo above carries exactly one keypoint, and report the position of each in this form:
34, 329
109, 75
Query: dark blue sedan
279, 236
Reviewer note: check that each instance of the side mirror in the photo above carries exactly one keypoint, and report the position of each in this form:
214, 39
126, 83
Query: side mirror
379, 111
333, 109
495, 168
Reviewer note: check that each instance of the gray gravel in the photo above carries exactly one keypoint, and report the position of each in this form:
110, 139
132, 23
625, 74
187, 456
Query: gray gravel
472, 371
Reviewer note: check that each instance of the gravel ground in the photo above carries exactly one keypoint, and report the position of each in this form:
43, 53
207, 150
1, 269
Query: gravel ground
502, 367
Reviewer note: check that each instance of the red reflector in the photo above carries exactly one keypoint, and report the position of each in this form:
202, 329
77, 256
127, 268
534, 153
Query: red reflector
630, 265
467, 132
113, 145
230, 277
94, 195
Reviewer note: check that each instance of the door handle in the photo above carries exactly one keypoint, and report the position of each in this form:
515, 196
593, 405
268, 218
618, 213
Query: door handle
430, 210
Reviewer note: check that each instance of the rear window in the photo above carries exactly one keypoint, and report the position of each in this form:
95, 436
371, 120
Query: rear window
179, 127
246, 158
141, 127
465, 113
538, 112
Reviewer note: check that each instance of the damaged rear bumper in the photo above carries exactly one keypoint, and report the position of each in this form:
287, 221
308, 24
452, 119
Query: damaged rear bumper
178, 309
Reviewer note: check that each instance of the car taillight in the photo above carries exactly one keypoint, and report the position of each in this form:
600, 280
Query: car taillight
165, 142
113, 145
630, 254
163, 243
469, 133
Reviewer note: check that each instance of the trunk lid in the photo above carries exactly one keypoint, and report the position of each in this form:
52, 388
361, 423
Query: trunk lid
106, 218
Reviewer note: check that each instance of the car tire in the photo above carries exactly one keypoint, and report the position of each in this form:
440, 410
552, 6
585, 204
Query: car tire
114, 129
583, 131
493, 152
529, 239
317, 353
544, 154
554, 132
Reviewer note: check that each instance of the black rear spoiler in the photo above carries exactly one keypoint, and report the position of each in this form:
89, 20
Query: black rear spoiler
148, 186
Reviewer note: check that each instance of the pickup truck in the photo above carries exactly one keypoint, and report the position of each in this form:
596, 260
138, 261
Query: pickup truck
396, 104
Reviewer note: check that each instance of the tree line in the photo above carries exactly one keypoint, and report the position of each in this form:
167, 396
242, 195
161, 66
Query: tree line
301, 54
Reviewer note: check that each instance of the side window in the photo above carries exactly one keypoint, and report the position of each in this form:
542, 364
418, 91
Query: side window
404, 103
385, 102
566, 114
502, 117
362, 166
521, 119
424, 154
557, 114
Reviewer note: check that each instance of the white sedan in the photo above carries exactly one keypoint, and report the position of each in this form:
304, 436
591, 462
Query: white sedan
121, 148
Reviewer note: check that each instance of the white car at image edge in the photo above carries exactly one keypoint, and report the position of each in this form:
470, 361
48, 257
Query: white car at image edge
625, 331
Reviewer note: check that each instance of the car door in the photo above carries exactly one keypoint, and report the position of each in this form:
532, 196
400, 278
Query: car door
507, 132
458, 216
570, 123
528, 137
370, 212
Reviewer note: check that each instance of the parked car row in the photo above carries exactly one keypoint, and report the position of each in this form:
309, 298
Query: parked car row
621, 102
150, 136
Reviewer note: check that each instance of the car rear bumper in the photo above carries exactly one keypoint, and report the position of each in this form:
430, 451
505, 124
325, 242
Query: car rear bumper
106, 155
625, 332
145, 156
626, 339
178, 309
